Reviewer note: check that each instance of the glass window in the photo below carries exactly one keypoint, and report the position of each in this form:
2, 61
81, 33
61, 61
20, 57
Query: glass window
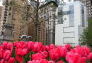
60, 21
71, 15
82, 10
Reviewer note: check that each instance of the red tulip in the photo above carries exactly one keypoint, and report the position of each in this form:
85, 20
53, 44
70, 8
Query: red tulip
30, 45
60, 61
37, 56
43, 61
11, 60
63, 51
21, 52
45, 54
72, 57
7, 54
1, 53
19, 59
90, 56
83, 51
5, 44
54, 54
51, 62
52, 46
78, 54
83, 60
20, 44
68, 46
38, 46
10, 46
2, 61
34, 61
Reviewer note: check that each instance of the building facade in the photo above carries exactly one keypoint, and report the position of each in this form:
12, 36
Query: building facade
6, 26
23, 18
87, 3
47, 19
73, 22
15, 19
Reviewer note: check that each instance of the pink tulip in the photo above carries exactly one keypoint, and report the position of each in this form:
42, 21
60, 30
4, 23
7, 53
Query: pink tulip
10, 46
1, 53
68, 46
43, 61
51, 62
83, 60
60, 61
7, 54
21, 52
34, 61
19, 59
81, 50
72, 57
20, 44
2, 61
38, 46
37, 56
11, 60
30, 45
63, 51
43, 53
54, 54
52, 46
90, 56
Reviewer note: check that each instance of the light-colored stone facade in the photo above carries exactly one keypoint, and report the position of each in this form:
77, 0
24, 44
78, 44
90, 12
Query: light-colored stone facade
73, 23
23, 17
16, 17
6, 26
88, 4
47, 19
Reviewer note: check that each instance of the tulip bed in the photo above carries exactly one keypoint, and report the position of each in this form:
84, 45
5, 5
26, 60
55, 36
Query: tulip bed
36, 52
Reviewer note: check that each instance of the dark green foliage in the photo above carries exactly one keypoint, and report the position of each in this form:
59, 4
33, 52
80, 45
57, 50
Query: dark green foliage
28, 57
86, 38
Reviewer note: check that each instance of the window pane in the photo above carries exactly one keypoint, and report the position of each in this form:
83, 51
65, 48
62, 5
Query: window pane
71, 15
82, 10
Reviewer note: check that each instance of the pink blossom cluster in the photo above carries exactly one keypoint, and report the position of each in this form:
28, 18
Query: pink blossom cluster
36, 52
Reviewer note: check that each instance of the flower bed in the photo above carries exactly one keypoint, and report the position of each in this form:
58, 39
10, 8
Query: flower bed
36, 52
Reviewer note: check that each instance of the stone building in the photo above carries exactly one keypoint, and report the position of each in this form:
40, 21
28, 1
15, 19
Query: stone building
6, 26
47, 19
16, 17
88, 4
73, 22
23, 19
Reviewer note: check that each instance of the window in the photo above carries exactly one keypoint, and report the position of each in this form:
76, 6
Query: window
60, 13
71, 15
66, 12
60, 21
82, 13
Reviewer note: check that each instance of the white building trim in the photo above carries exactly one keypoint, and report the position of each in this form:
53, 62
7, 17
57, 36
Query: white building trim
74, 21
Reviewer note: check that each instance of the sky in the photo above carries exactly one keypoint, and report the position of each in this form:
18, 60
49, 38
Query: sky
0, 2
